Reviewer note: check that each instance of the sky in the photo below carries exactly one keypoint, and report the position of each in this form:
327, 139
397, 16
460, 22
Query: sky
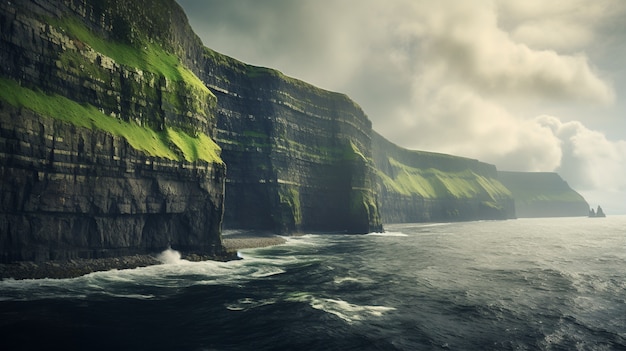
528, 85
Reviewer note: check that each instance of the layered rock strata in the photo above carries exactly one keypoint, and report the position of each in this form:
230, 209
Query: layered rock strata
417, 186
105, 135
298, 156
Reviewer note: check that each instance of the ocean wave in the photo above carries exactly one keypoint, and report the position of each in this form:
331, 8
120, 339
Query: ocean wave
435, 224
170, 256
348, 312
358, 280
306, 240
263, 272
387, 234
160, 280
132, 296
248, 303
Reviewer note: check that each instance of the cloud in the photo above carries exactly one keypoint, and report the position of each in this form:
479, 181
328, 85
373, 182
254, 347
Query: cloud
474, 50
592, 164
563, 26
464, 73
456, 120
589, 159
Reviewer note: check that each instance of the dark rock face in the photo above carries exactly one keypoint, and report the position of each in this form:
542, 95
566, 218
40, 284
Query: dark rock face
543, 194
298, 157
72, 188
59, 200
420, 186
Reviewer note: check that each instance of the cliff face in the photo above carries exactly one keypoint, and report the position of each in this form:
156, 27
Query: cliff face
418, 186
106, 135
543, 194
109, 110
298, 157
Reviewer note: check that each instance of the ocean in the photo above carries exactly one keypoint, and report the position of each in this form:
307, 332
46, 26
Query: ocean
525, 284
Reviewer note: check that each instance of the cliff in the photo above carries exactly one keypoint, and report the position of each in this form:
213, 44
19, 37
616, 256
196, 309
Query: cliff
122, 134
417, 186
108, 129
299, 157
543, 194
106, 137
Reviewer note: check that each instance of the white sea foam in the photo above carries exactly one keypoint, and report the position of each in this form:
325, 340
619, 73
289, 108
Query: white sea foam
387, 234
267, 272
342, 280
170, 256
360, 280
249, 303
435, 224
175, 273
306, 240
349, 312
133, 296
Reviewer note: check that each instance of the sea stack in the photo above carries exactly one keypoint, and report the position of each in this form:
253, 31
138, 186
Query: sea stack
599, 212
596, 213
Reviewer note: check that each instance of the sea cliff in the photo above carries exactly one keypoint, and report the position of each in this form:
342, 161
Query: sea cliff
106, 135
418, 186
121, 134
543, 194
299, 157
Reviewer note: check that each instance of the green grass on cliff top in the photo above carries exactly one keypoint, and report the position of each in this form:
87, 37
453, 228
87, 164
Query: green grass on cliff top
531, 195
532, 187
147, 56
433, 183
160, 144
195, 148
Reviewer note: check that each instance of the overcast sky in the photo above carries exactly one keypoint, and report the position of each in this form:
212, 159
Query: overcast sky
529, 85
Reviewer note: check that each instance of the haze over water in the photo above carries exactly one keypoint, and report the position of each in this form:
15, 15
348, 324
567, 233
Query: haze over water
527, 284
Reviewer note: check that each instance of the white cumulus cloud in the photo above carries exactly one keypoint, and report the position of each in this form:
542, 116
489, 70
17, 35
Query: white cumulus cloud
589, 159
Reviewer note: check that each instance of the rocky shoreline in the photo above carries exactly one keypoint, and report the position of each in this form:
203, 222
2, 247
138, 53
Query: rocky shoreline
78, 267
72, 268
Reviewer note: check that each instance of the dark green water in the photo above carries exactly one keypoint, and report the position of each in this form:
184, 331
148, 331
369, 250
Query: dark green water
528, 284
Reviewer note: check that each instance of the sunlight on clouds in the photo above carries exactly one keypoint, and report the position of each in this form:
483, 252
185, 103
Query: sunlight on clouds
558, 25
591, 163
465, 72
476, 51
475, 127
552, 34
589, 159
